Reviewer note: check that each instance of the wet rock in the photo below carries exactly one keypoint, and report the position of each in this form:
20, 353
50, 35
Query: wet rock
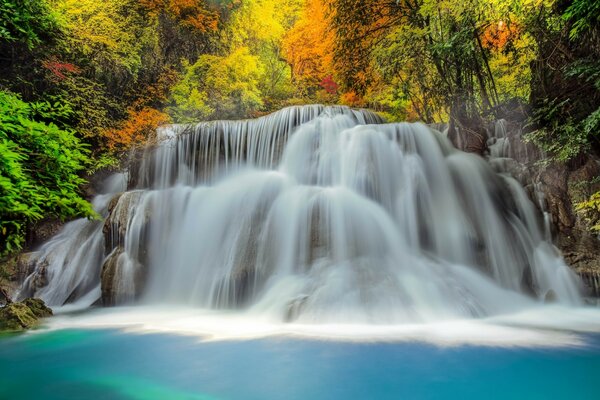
122, 279
563, 186
471, 139
586, 264
43, 231
120, 211
38, 278
25, 265
550, 296
319, 245
109, 278
244, 281
24, 315
294, 308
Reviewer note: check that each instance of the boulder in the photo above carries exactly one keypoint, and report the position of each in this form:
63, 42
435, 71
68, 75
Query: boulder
24, 315
25, 266
38, 307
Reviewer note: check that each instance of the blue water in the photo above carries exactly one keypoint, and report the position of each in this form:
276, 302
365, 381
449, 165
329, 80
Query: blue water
107, 364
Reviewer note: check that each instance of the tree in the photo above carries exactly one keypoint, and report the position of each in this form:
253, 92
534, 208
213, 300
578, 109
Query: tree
260, 26
565, 94
218, 87
139, 128
308, 48
430, 57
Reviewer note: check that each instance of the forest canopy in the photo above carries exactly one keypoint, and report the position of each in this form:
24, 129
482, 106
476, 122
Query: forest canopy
83, 81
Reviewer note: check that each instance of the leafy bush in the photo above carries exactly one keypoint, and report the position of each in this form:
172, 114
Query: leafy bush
26, 21
584, 14
38, 169
590, 208
563, 139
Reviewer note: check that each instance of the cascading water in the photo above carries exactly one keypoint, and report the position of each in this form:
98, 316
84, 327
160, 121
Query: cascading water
314, 214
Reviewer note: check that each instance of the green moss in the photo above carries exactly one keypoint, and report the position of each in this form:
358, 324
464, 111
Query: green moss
16, 317
38, 307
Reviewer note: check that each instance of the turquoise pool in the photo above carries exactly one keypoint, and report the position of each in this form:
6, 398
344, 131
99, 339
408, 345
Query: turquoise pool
110, 364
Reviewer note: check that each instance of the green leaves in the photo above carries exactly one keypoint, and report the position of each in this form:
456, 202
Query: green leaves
584, 14
218, 87
39, 168
26, 21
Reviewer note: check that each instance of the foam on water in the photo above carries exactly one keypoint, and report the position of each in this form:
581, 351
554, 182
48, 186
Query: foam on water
552, 326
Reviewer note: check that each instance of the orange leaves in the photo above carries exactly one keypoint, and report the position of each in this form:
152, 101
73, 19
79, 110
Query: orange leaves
195, 14
308, 47
139, 127
496, 36
352, 99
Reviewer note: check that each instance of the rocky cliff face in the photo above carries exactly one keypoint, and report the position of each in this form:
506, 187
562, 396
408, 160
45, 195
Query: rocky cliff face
580, 247
555, 188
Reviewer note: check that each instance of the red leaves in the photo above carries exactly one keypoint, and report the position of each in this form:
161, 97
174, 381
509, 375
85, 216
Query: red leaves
329, 85
58, 69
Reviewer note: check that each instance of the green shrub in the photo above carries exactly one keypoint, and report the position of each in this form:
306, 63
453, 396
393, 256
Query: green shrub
39, 168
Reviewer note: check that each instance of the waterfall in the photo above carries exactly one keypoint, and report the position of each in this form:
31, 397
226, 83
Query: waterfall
312, 214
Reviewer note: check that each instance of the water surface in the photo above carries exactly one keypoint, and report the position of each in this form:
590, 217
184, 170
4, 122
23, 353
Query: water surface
111, 364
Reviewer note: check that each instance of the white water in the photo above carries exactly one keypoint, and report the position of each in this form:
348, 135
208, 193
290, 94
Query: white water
313, 215
541, 326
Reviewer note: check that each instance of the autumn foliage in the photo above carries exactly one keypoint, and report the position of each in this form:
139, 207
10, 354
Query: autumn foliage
308, 47
137, 129
192, 13
497, 35
60, 70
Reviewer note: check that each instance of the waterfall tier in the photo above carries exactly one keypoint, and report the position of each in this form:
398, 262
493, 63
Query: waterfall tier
314, 214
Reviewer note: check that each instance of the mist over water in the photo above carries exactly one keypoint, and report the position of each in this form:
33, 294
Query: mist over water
312, 215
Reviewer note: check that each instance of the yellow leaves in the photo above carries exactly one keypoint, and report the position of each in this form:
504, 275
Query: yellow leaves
590, 208
352, 99
217, 87
259, 21
104, 30
538, 3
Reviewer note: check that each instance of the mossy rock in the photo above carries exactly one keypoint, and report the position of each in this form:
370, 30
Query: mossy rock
38, 307
22, 316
